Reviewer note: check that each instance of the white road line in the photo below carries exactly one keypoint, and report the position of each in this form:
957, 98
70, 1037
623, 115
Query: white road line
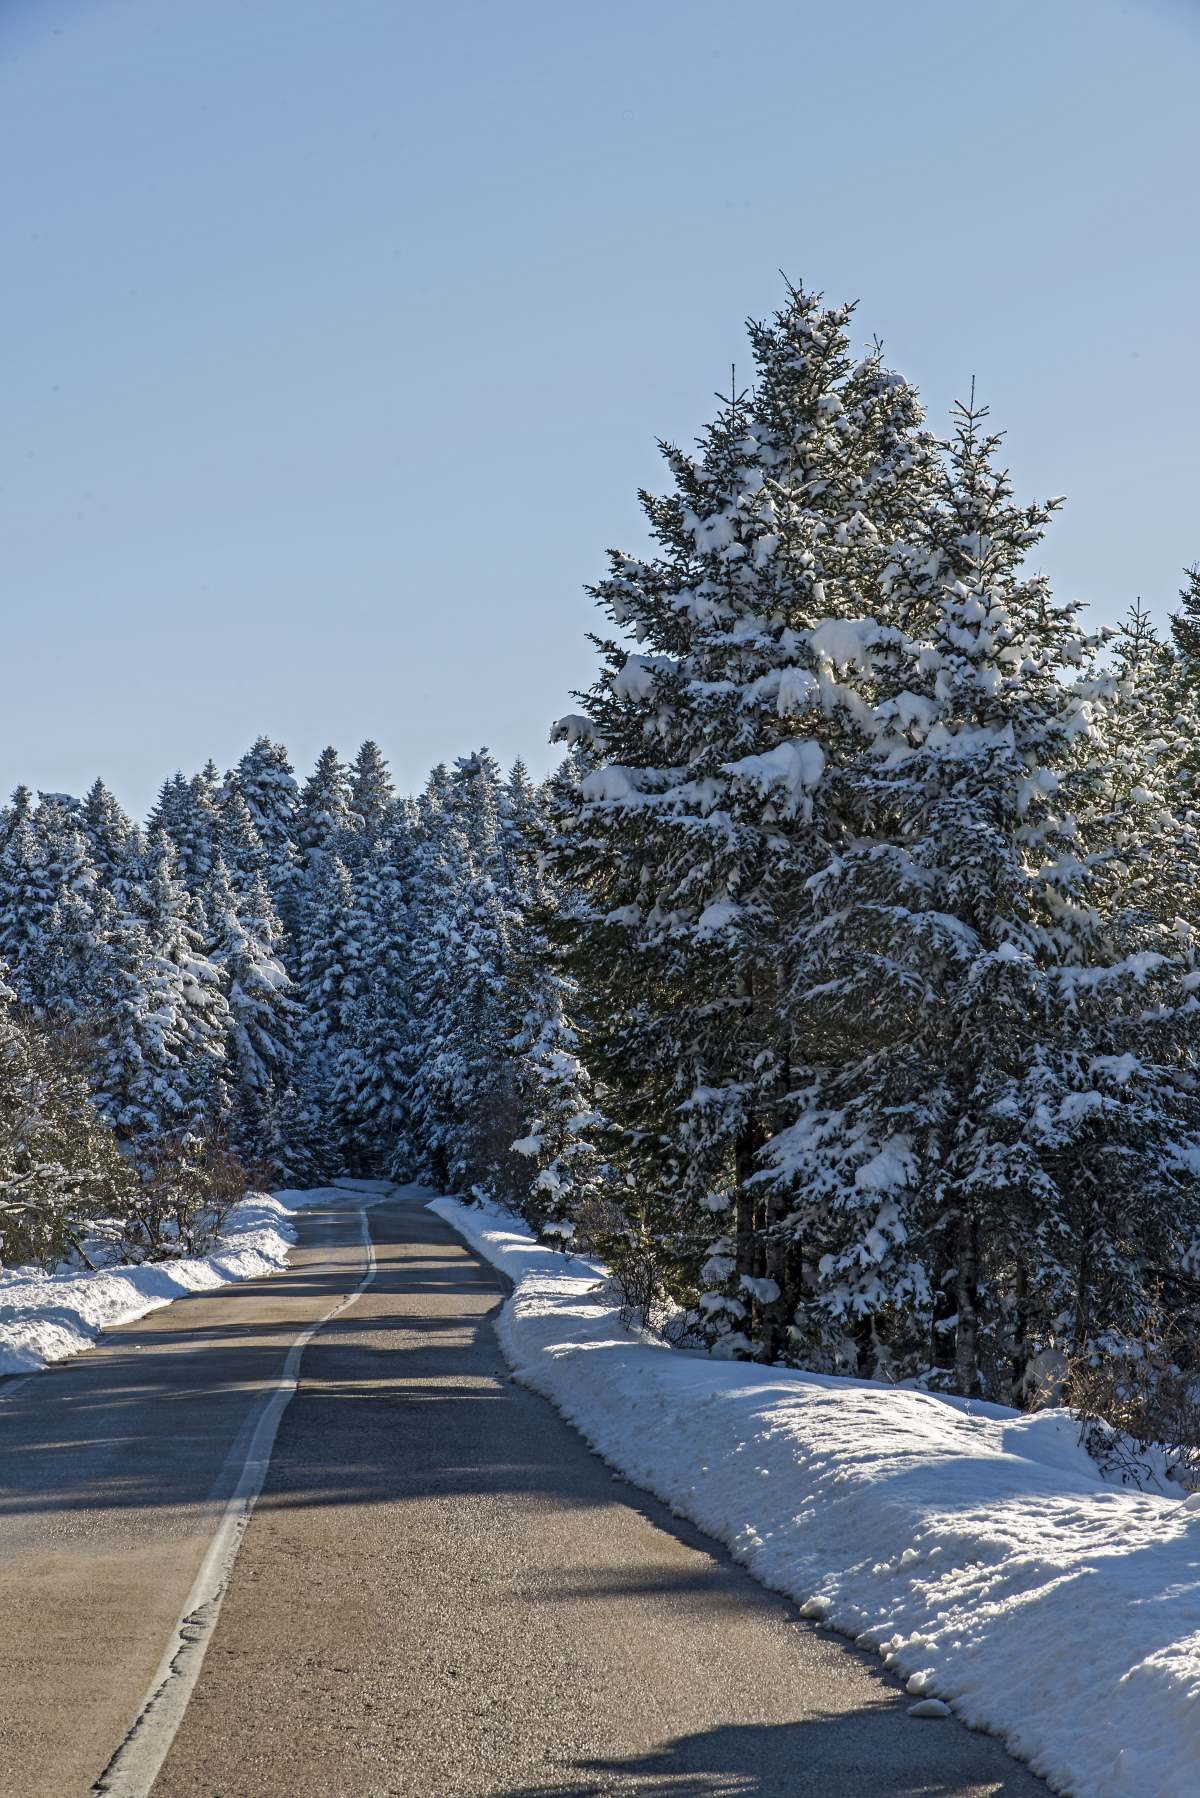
135, 1766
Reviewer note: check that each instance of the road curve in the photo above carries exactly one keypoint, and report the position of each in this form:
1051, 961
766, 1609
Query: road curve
442, 1591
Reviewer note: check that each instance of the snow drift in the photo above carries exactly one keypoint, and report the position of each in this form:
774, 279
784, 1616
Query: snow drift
45, 1317
976, 1549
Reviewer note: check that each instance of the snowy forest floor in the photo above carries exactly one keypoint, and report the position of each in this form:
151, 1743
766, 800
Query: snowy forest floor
977, 1550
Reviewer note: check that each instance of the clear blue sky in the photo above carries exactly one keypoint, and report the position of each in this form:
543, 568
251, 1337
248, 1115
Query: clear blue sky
336, 337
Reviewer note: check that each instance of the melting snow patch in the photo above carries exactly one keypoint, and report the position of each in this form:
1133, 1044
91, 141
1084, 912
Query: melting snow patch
976, 1550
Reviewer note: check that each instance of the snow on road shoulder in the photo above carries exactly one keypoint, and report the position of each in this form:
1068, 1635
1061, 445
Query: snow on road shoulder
46, 1317
976, 1549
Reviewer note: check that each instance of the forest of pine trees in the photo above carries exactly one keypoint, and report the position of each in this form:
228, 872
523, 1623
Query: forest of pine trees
273, 982
839, 989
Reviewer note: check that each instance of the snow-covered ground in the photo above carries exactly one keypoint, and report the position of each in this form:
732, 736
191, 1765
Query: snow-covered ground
976, 1549
45, 1317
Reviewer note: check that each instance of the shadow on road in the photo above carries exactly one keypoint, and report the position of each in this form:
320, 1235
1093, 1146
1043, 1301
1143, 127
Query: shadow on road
146, 1419
806, 1759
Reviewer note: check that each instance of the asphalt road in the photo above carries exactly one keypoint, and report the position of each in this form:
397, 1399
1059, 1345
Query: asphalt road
442, 1591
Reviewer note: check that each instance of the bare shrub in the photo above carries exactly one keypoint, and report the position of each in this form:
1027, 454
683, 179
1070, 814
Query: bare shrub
194, 1180
1137, 1405
638, 1280
599, 1223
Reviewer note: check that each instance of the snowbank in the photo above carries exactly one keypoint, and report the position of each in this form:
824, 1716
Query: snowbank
976, 1549
45, 1317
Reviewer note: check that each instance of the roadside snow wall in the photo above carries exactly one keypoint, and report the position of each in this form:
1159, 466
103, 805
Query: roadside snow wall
977, 1549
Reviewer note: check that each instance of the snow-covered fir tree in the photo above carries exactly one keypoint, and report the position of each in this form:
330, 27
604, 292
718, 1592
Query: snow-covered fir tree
329, 981
559, 1174
140, 1077
325, 816
237, 845
186, 810
264, 778
459, 1092
175, 928
372, 794
47, 880
113, 838
243, 941
991, 1134
376, 1067
710, 742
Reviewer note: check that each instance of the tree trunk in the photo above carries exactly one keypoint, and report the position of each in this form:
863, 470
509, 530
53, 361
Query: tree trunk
1019, 1358
941, 1337
780, 1262
744, 1167
966, 1341
865, 1347
1080, 1328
